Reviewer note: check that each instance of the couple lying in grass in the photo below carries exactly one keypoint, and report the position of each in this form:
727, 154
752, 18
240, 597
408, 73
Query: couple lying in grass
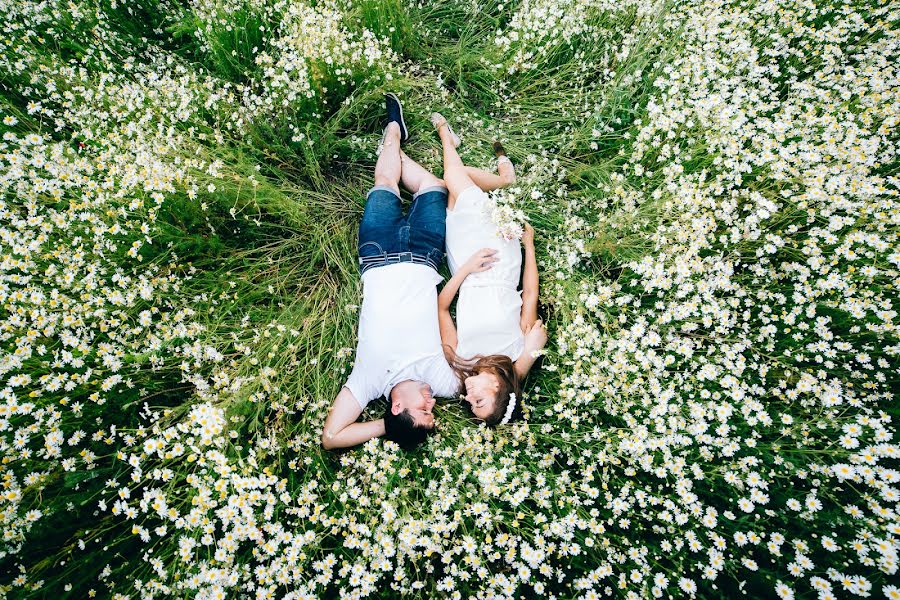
409, 348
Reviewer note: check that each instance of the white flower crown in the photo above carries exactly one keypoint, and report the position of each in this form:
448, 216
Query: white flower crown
509, 409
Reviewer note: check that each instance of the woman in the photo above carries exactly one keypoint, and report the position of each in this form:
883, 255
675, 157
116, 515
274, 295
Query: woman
492, 346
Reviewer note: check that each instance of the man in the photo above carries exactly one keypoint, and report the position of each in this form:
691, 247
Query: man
399, 351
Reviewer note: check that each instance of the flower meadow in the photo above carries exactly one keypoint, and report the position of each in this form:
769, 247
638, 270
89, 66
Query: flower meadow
714, 190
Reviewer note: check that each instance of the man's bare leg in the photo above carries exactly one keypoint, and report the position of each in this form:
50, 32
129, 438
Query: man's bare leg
415, 177
388, 167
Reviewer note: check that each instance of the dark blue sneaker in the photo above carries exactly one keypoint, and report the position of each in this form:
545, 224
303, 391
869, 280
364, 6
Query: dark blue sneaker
395, 113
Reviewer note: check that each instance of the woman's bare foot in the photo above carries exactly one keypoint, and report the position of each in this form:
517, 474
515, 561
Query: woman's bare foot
504, 166
438, 120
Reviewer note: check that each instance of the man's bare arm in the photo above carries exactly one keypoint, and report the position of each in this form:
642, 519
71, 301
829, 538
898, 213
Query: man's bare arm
341, 429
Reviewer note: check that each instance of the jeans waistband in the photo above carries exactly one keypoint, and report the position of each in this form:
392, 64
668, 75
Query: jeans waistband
368, 262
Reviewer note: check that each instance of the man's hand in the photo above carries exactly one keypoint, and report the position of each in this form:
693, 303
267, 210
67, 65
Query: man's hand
535, 337
482, 260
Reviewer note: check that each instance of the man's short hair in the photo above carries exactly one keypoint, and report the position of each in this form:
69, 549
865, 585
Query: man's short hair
402, 429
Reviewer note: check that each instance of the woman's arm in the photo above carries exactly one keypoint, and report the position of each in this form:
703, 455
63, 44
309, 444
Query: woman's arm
341, 429
480, 261
445, 321
529, 282
535, 340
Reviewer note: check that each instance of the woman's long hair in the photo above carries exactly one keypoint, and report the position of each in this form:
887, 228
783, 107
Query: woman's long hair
503, 368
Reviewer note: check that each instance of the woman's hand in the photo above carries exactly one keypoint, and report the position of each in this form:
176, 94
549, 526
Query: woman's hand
482, 260
535, 337
528, 235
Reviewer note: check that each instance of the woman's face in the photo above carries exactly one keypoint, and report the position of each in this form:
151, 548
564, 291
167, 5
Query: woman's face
481, 393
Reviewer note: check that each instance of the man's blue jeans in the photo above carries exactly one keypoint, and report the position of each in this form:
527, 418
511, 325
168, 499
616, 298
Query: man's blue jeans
386, 236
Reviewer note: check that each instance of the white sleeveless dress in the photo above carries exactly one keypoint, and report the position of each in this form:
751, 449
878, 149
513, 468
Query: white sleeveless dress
489, 305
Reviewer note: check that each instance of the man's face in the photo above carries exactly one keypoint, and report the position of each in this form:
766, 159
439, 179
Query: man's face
414, 396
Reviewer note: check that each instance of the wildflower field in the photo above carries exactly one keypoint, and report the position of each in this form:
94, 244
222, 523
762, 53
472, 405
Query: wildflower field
714, 190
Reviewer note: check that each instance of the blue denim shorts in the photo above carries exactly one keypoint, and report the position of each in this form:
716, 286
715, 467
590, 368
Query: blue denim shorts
386, 236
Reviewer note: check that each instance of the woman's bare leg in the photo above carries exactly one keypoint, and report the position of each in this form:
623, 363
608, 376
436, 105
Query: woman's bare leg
455, 175
415, 177
488, 181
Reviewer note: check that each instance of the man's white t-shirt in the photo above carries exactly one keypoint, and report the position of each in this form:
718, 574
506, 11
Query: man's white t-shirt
399, 337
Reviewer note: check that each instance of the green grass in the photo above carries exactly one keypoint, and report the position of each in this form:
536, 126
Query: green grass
266, 261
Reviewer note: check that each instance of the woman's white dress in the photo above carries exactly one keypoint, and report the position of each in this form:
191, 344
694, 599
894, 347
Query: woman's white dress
489, 304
